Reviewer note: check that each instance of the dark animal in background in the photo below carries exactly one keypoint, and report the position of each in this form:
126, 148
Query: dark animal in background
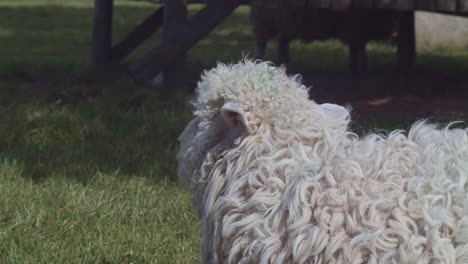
354, 27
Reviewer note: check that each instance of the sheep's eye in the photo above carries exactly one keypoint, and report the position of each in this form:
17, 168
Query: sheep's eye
234, 117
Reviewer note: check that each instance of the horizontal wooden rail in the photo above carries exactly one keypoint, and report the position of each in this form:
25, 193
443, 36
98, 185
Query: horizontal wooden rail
450, 6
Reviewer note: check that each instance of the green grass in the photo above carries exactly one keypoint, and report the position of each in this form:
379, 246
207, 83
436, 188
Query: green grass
93, 183
103, 133
108, 219
91, 178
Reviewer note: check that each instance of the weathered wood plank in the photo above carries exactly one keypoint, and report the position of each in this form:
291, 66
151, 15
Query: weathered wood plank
401, 5
446, 5
462, 6
425, 5
404, 5
406, 54
174, 17
256, 2
266, 3
384, 3
362, 3
271, 3
319, 3
186, 36
102, 33
340, 4
302, 3
141, 33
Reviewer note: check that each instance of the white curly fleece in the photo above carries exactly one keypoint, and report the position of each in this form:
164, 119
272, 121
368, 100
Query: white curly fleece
277, 178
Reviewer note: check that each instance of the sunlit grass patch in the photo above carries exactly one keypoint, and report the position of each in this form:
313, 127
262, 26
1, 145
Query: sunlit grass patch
109, 219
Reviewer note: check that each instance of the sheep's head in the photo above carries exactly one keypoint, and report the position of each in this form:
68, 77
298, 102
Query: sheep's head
245, 91
234, 101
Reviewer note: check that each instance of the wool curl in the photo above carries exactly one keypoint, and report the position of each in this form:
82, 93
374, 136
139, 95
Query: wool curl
289, 183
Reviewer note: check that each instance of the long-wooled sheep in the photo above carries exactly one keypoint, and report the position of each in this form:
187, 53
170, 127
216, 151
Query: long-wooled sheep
354, 27
278, 178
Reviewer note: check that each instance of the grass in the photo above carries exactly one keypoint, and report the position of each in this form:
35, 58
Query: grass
108, 219
91, 178
93, 183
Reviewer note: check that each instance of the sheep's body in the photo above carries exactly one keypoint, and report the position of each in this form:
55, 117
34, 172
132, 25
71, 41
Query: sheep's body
277, 178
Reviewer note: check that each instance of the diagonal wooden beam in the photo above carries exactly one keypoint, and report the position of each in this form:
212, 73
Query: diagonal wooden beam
141, 33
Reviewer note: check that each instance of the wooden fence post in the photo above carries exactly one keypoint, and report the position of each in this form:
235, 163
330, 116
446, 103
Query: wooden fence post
174, 74
406, 41
102, 33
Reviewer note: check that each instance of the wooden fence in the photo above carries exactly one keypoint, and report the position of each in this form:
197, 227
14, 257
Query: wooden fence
451, 6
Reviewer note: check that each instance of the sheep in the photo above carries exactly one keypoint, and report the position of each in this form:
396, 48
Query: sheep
278, 178
354, 27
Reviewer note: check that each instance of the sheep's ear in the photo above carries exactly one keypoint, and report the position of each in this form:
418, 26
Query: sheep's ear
234, 115
334, 112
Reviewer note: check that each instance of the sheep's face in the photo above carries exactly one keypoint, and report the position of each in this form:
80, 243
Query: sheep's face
203, 134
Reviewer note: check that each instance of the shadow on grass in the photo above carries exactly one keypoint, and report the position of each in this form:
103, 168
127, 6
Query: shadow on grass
136, 137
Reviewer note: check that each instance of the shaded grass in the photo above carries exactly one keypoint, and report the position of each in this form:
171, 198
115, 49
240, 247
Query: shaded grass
105, 133
48, 39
